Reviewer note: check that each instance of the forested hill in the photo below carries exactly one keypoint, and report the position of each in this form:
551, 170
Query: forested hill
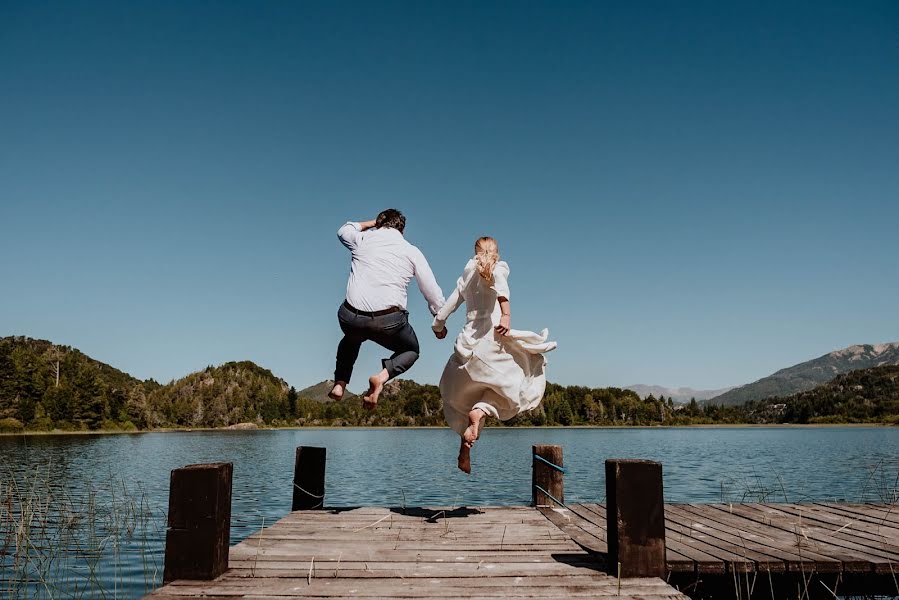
234, 392
863, 396
90, 395
43, 385
48, 387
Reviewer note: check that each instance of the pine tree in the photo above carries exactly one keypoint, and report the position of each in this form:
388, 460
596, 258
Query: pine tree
292, 402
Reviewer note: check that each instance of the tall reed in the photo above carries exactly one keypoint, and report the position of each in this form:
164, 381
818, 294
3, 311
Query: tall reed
76, 539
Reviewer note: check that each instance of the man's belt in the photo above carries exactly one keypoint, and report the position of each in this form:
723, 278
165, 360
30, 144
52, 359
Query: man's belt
377, 313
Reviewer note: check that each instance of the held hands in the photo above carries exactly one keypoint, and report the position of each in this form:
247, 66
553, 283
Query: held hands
505, 325
440, 334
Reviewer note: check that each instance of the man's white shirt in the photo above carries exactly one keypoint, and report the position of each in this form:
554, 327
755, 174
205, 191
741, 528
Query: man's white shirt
383, 265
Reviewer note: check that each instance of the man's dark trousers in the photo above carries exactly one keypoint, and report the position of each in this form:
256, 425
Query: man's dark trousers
391, 331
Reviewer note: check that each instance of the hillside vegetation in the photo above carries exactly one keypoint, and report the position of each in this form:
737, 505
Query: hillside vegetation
863, 396
48, 387
44, 386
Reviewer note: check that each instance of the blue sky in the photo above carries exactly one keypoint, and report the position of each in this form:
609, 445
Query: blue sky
694, 193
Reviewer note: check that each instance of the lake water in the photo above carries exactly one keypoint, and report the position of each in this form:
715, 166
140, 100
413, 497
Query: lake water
122, 481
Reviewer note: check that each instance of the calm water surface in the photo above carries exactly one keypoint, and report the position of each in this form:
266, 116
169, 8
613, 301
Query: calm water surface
416, 467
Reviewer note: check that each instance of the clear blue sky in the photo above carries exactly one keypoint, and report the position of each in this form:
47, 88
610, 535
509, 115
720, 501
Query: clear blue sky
688, 193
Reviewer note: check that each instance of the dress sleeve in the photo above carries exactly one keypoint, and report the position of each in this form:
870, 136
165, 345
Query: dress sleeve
350, 233
452, 304
501, 281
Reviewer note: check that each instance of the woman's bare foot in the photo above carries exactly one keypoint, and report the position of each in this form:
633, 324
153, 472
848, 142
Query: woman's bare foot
476, 419
375, 386
465, 457
337, 391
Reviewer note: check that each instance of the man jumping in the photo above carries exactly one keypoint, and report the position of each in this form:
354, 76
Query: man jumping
383, 264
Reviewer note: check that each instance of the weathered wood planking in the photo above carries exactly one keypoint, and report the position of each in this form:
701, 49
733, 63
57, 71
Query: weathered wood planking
493, 552
760, 538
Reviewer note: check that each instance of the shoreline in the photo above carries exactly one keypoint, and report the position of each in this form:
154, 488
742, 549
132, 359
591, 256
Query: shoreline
376, 427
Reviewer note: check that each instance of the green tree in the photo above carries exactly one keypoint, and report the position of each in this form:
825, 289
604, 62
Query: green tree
565, 415
292, 402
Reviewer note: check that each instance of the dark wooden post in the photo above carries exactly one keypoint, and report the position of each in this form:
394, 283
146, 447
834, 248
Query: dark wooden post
546, 476
309, 478
635, 513
199, 524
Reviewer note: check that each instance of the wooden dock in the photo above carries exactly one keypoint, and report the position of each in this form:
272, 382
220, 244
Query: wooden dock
635, 546
777, 538
855, 546
492, 552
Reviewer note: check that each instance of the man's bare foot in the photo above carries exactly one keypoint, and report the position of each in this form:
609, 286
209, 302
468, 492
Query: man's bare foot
375, 386
476, 419
337, 391
465, 457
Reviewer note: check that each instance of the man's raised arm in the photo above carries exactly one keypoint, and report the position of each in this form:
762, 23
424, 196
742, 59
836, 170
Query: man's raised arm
349, 232
427, 283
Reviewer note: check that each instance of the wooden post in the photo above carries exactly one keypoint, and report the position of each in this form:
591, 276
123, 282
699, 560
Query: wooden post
199, 524
635, 513
309, 478
545, 476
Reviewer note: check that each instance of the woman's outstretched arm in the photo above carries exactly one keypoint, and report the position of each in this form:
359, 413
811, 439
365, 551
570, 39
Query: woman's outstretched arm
505, 321
501, 287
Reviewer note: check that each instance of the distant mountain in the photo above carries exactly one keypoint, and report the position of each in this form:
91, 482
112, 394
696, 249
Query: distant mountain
807, 375
319, 392
680, 395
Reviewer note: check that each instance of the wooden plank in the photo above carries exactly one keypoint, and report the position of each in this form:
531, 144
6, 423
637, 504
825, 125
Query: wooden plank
408, 571
362, 554
599, 580
880, 537
862, 514
881, 560
889, 512
773, 542
761, 556
540, 535
852, 561
362, 591
456, 547
788, 540
684, 546
443, 588
572, 528
584, 520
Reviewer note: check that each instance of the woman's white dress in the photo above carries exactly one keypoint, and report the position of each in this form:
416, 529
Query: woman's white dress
503, 375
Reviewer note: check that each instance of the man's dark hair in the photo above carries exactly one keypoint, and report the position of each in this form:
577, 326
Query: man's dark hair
391, 218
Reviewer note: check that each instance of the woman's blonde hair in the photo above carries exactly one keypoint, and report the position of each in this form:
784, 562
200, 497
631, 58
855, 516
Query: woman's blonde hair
486, 254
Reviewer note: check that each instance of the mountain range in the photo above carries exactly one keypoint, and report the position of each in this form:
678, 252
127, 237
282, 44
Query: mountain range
680, 395
319, 391
812, 373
